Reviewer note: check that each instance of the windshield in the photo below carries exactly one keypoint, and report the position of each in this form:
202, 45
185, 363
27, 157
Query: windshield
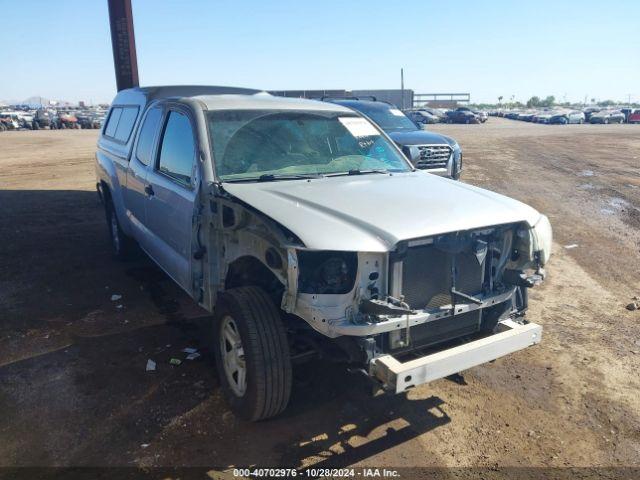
388, 118
267, 144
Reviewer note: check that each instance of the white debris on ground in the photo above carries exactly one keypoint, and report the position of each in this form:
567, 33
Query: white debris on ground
151, 366
115, 297
569, 247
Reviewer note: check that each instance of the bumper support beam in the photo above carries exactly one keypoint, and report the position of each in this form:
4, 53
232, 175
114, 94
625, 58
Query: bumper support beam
511, 337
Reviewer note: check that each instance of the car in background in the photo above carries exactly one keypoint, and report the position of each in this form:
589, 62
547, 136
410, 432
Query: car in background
89, 121
544, 117
26, 120
461, 115
607, 116
634, 116
42, 119
84, 121
422, 117
482, 115
590, 111
436, 153
436, 112
565, 118
526, 116
627, 111
10, 120
67, 119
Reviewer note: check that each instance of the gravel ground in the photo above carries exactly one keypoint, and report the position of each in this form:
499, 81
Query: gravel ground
73, 385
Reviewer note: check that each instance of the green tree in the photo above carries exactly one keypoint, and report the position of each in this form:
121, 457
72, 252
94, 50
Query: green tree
548, 102
533, 102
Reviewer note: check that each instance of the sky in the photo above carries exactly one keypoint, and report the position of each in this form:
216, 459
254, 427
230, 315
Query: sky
569, 49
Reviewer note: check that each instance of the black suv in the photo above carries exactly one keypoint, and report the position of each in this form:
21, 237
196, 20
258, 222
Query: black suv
462, 115
437, 153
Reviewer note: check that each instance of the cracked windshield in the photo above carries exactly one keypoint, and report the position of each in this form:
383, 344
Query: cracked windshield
267, 145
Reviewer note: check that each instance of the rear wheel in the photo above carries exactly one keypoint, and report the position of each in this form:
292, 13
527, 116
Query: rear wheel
121, 245
251, 353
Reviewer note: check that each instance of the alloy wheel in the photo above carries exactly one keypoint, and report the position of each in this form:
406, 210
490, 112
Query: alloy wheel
233, 359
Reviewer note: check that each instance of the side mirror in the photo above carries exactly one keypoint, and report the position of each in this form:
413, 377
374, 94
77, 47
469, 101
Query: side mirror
412, 153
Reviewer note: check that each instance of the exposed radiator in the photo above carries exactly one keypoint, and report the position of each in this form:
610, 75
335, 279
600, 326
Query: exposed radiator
426, 276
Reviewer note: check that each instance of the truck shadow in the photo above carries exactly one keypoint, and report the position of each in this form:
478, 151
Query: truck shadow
73, 384
92, 403
355, 426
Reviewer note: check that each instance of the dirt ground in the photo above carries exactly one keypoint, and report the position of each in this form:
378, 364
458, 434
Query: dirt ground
73, 385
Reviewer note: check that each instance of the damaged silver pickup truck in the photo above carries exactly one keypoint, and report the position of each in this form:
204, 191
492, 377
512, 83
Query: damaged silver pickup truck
308, 233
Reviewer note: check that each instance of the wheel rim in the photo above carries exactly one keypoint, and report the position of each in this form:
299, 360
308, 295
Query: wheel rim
233, 361
115, 234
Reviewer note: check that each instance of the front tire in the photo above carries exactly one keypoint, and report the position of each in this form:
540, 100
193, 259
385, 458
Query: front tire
251, 353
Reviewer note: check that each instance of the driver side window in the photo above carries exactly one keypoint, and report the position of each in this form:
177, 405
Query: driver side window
177, 150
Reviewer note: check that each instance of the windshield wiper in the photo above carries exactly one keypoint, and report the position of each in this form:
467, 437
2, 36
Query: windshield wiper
356, 171
270, 177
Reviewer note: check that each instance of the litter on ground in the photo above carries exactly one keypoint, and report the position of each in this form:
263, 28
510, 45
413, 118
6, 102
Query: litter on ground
151, 366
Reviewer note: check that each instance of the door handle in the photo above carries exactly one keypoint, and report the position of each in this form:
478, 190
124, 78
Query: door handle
149, 190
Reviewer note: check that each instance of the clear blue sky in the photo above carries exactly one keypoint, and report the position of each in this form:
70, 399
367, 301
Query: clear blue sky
62, 49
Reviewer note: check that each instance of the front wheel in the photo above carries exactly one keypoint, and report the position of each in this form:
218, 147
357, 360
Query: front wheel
251, 353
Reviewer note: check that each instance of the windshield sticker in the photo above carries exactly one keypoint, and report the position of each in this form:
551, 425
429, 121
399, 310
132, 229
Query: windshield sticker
359, 127
396, 112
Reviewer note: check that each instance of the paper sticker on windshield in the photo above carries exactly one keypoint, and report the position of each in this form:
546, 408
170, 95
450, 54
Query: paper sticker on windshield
396, 112
358, 127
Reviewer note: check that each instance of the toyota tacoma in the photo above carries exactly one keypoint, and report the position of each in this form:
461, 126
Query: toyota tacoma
307, 233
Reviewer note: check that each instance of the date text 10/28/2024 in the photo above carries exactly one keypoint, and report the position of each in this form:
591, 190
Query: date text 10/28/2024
316, 472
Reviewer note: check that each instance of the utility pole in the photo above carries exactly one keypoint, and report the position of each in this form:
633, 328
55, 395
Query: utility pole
123, 42
402, 86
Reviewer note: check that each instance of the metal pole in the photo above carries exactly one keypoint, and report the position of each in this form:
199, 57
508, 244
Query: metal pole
123, 42
402, 86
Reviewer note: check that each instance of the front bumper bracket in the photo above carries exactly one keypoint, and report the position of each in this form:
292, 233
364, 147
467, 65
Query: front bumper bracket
399, 377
